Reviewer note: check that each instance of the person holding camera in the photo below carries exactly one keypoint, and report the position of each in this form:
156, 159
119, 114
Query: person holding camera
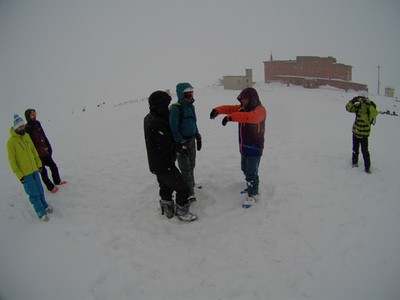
366, 112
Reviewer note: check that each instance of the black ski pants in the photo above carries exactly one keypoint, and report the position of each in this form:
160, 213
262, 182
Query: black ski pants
48, 161
171, 180
364, 149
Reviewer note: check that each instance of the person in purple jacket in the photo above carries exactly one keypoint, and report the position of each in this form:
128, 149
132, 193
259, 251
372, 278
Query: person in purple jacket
44, 149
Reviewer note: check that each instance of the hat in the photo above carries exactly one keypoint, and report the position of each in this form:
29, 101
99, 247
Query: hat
18, 121
363, 94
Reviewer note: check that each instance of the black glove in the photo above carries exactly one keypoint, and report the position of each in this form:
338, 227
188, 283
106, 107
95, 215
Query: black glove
183, 148
22, 179
226, 120
213, 114
198, 141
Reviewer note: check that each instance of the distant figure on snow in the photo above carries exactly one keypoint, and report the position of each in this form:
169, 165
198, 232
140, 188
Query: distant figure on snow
26, 165
161, 157
43, 147
183, 122
366, 112
250, 115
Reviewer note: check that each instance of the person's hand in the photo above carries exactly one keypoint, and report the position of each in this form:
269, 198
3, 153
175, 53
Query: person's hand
226, 120
22, 179
198, 141
214, 113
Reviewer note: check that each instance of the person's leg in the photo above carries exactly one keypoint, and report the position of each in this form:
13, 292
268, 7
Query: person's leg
173, 181
186, 165
365, 153
192, 158
356, 149
46, 180
165, 191
249, 167
54, 170
30, 187
39, 188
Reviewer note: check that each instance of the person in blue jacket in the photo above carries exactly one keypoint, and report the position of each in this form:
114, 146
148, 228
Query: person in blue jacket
183, 123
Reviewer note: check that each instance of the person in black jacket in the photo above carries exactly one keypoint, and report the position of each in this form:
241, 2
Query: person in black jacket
43, 147
161, 154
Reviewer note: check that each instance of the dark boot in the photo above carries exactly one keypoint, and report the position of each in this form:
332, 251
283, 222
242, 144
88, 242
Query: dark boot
167, 207
183, 213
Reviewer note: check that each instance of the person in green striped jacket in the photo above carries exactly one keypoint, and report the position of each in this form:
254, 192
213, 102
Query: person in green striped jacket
366, 112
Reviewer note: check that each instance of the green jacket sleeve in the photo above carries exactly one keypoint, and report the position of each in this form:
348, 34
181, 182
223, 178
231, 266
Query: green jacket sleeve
350, 106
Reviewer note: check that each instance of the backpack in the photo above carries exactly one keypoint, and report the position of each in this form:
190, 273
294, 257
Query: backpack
180, 110
373, 121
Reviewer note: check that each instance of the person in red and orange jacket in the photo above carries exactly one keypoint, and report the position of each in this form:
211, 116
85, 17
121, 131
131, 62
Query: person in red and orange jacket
251, 116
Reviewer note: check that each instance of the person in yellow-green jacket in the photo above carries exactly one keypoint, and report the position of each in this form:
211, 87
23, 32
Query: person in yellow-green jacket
366, 112
26, 165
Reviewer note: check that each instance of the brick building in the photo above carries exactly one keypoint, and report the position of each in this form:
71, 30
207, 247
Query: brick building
311, 72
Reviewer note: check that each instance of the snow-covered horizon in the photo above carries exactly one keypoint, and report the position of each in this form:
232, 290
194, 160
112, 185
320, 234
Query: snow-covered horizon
322, 230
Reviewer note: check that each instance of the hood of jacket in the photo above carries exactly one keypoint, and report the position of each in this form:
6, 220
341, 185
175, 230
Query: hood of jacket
159, 102
252, 95
180, 87
13, 133
28, 115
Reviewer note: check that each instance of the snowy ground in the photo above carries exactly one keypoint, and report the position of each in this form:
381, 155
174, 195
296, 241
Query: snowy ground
321, 231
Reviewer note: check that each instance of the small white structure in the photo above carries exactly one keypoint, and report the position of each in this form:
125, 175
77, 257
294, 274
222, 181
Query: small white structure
238, 82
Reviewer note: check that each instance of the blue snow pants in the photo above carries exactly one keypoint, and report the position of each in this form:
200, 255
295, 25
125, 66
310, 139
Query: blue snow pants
33, 187
249, 166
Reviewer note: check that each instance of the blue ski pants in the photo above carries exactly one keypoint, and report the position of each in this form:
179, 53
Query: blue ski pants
33, 187
249, 166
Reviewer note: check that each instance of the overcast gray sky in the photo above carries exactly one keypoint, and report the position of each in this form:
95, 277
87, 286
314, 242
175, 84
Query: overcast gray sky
94, 50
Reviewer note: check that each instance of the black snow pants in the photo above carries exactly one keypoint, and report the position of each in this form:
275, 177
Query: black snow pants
171, 180
364, 149
48, 161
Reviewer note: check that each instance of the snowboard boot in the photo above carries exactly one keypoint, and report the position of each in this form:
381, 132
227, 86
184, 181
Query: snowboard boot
183, 213
167, 208
250, 201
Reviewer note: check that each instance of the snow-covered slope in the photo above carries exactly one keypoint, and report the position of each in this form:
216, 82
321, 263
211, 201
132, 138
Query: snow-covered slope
321, 231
